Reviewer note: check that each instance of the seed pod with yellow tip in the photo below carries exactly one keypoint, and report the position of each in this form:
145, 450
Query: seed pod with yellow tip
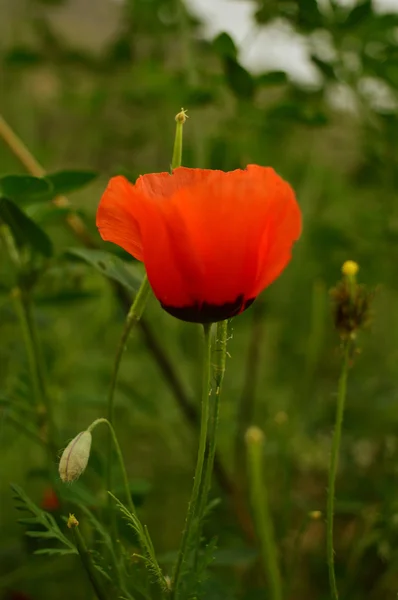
75, 457
350, 268
351, 303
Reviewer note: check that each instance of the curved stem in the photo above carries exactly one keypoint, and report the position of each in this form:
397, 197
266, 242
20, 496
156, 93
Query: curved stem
190, 523
263, 519
120, 459
341, 396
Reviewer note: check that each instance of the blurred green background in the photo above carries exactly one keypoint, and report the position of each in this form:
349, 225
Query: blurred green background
95, 85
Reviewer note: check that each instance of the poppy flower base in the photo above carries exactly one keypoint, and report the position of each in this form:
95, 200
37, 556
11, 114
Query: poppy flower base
209, 313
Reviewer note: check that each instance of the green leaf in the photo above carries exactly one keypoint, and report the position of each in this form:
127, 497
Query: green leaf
64, 182
45, 212
358, 14
272, 78
55, 551
224, 45
239, 80
326, 68
111, 266
309, 16
145, 541
24, 187
22, 56
26, 232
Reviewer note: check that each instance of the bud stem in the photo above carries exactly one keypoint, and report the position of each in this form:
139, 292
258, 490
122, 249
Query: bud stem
133, 317
120, 459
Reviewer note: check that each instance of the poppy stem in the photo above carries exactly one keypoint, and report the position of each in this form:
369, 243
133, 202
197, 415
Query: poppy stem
220, 353
191, 523
341, 396
262, 515
133, 317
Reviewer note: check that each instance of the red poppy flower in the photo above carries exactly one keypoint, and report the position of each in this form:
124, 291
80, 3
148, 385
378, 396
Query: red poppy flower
50, 500
210, 241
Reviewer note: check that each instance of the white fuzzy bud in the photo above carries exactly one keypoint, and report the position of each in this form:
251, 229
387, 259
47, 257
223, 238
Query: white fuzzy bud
75, 457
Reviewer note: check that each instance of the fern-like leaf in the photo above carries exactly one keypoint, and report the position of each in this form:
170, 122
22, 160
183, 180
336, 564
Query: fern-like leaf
149, 557
39, 517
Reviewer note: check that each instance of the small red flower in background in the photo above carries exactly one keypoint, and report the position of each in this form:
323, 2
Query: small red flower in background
14, 595
210, 241
50, 500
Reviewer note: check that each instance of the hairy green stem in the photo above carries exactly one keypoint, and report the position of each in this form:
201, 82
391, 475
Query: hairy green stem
341, 396
120, 459
190, 524
219, 354
262, 515
218, 364
88, 565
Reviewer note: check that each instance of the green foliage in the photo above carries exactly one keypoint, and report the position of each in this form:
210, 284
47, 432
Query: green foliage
224, 45
149, 556
65, 182
24, 188
111, 266
26, 233
41, 525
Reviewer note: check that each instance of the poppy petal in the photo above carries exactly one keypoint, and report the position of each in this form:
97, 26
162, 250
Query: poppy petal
164, 185
283, 229
218, 228
116, 216
162, 268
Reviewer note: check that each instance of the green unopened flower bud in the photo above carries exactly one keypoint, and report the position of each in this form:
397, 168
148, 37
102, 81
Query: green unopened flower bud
182, 116
72, 521
315, 515
254, 435
75, 457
